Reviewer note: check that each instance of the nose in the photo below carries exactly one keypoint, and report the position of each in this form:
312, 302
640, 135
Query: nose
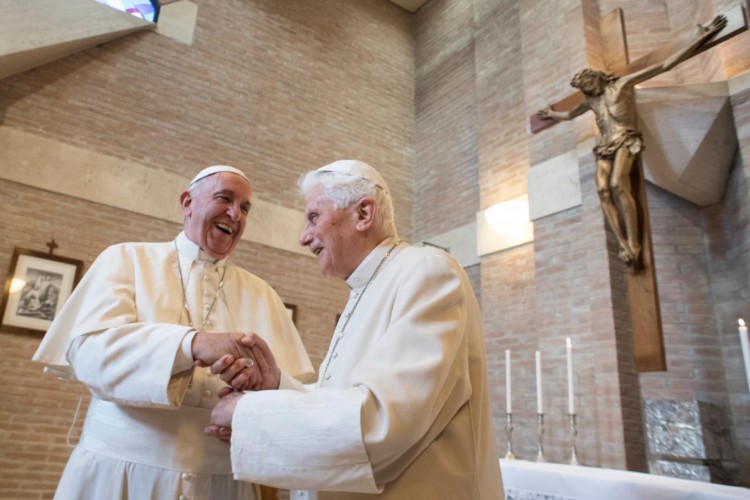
305, 238
235, 212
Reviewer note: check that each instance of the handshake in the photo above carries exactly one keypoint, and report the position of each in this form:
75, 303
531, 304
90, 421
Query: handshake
243, 361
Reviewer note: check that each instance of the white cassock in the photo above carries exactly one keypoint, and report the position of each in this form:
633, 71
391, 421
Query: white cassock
401, 409
121, 334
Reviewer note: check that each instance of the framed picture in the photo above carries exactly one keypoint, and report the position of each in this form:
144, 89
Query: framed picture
37, 286
292, 310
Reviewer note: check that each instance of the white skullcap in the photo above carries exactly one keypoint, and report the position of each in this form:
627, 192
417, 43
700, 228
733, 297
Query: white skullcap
358, 169
215, 170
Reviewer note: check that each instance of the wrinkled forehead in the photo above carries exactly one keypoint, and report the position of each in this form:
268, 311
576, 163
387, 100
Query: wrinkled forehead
319, 199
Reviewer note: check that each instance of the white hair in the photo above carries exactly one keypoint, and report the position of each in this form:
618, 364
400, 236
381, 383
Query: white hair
344, 190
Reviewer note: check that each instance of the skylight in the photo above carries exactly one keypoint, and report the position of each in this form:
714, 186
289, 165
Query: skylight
144, 9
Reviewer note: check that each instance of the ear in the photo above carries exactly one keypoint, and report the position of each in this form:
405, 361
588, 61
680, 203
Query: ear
366, 210
186, 201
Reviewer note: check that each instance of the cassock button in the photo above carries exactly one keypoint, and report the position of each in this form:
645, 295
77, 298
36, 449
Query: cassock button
186, 476
182, 497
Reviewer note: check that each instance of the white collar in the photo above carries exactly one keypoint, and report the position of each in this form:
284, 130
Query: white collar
367, 267
193, 251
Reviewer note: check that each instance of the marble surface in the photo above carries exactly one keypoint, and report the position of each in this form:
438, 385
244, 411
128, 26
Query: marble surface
533, 480
689, 440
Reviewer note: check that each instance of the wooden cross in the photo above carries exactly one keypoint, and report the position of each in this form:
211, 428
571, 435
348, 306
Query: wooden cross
648, 342
52, 244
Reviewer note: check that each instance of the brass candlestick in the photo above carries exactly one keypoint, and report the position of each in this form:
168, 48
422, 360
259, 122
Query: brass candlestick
539, 433
574, 433
508, 434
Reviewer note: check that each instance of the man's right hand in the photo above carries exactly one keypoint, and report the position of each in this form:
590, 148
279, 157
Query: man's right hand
233, 370
210, 348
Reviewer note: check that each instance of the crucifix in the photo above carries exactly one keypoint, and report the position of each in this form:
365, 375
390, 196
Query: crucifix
619, 173
52, 244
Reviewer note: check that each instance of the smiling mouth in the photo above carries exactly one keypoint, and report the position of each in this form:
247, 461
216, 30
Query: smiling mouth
224, 228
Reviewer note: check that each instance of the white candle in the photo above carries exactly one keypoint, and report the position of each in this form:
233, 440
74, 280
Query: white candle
745, 349
539, 407
571, 404
508, 406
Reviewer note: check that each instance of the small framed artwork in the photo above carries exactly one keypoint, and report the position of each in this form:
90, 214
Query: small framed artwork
37, 286
292, 310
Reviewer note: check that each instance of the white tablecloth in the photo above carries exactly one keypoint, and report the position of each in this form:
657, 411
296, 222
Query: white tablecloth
524, 480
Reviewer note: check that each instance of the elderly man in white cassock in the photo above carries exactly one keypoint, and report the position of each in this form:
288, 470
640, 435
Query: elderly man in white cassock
401, 408
138, 332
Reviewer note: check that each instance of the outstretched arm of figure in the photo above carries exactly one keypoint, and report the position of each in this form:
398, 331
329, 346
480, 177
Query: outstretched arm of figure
550, 114
705, 33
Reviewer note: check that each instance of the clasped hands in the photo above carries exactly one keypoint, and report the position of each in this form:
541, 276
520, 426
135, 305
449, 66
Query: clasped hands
243, 361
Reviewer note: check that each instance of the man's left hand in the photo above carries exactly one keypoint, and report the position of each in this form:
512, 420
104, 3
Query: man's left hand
221, 416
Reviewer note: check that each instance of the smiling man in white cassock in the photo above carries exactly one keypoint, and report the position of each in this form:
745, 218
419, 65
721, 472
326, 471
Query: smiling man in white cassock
401, 407
133, 331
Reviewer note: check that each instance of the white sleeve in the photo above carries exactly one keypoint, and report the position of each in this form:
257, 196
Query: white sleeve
127, 365
117, 357
306, 440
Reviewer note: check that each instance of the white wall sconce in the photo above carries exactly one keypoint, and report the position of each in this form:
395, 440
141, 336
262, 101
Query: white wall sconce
504, 225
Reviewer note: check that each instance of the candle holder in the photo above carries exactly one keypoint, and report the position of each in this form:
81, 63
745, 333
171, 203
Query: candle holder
539, 433
509, 433
574, 433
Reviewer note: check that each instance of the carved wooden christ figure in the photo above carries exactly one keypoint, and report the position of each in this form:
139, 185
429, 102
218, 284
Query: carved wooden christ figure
619, 143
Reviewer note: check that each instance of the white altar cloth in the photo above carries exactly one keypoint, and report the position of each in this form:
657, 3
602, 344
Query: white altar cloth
524, 480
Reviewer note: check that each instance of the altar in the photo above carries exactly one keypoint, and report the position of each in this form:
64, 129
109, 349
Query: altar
524, 480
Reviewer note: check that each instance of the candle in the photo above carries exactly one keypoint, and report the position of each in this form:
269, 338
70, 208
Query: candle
571, 404
539, 407
508, 407
745, 349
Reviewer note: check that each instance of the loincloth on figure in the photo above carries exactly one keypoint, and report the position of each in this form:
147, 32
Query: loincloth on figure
630, 138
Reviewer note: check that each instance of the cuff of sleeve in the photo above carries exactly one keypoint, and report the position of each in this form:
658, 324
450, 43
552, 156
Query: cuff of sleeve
310, 441
184, 359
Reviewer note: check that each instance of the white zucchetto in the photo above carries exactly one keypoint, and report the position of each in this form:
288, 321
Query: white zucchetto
215, 170
356, 168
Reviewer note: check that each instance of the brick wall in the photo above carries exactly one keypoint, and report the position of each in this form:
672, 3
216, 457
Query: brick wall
445, 114
272, 87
